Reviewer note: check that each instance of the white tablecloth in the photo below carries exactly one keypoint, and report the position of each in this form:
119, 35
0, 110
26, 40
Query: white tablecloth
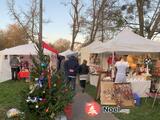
140, 87
93, 78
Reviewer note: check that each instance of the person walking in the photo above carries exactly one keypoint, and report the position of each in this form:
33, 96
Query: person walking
71, 68
62, 70
14, 63
83, 72
121, 70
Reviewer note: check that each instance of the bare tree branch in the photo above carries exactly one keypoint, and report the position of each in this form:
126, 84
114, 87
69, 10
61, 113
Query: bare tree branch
155, 14
154, 26
75, 15
28, 21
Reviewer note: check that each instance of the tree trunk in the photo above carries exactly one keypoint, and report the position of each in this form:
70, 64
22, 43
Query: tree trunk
141, 16
73, 32
91, 39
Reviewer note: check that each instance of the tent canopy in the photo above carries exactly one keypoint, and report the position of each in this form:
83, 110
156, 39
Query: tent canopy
127, 41
94, 45
68, 53
27, 49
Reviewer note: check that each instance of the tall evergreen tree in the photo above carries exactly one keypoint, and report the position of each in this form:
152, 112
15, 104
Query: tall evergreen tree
48, 95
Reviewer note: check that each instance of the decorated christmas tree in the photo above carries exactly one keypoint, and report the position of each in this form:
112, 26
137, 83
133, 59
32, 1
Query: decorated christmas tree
48, 95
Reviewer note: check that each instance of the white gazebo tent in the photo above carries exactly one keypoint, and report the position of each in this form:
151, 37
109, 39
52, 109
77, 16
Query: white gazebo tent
127, 41
26, 50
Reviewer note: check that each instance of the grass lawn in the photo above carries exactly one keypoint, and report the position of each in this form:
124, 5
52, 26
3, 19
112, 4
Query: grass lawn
142, 112
10, 93
10, 96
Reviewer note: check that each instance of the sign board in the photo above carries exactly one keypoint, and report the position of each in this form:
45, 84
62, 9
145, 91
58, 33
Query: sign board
116, 94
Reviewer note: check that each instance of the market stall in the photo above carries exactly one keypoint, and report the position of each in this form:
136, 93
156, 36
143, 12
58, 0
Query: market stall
22, 50
94, 60
129, 43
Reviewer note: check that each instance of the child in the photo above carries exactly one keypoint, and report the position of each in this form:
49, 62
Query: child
83, 71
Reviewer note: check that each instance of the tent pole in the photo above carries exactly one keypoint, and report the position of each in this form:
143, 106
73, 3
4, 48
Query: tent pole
112, 68
40, 21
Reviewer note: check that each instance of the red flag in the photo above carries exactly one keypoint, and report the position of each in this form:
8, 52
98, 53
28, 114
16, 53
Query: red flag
45, 45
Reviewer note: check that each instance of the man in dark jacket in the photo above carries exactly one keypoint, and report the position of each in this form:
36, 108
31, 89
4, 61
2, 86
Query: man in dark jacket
83, 72
71, 69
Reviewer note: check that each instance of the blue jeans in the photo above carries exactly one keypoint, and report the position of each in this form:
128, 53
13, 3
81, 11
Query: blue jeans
72, 82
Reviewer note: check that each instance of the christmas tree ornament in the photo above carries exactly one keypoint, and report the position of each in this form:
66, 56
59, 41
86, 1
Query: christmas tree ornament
52, 115
36, 106
66, 90
44, 100
47, 109
32, 100
40, 99
43, 65
32, 88
36, 79
41, 80
43, 73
